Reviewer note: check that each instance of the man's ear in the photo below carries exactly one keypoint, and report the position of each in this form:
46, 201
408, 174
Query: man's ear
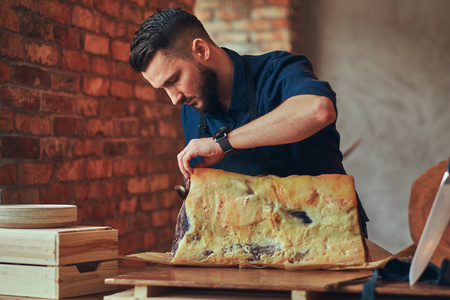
200, 49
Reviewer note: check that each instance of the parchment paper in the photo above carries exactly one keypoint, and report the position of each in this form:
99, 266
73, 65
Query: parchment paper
164, 258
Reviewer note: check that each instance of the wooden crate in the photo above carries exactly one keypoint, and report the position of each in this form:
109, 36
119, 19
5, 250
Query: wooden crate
57, 262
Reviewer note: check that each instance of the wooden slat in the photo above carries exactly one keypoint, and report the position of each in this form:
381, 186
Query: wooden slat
55, 282
56, 247
86, 246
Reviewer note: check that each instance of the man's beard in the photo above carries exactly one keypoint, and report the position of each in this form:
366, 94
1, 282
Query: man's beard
208, 91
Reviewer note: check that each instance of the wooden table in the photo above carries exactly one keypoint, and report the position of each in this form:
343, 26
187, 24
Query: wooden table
174, 282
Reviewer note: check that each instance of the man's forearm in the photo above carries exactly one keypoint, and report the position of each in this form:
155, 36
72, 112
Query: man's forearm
294, 120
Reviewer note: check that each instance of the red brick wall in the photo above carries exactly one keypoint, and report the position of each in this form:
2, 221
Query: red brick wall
249, 26
78, 126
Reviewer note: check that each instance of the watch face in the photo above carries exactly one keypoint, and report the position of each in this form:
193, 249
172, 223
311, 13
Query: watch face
219, 133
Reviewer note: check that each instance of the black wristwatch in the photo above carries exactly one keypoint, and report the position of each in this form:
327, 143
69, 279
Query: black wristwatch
221, 137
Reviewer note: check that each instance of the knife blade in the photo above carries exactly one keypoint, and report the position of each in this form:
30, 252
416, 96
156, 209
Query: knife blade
435, 226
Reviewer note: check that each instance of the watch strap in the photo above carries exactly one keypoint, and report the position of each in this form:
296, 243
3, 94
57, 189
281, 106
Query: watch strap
225, 145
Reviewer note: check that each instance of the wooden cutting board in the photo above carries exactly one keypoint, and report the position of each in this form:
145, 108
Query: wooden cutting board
37, 215
423, 192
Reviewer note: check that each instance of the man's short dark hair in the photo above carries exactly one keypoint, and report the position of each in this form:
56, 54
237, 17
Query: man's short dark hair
168, 30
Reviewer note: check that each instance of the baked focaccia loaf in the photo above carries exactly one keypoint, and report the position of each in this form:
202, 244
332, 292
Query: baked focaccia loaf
231, 218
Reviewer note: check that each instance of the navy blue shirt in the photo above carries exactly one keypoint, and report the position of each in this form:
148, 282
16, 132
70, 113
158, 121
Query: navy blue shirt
277, 76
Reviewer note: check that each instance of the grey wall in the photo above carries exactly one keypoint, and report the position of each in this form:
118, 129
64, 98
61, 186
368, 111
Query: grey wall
389, 62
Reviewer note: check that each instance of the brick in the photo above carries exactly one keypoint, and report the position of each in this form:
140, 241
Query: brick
65, 82
86, 18
284, 3
127, 245
121, 89
170, 199
33, 124
96, 169
165, 234
168, 129
148, 241
68, 126
145, 92
232, 15
57, 104
101, 210
114, 108
4, 72
150, 202
270, 36
8, 17
12, 46
95, 86
55, 10
88, 147
121, 225
41, 54
140, 222
82, 214
163, 146
69, 170
156, 111
159, 182
252, 25
115, 148
55, 147
125, 128
114, 188
269, 12
21, 98
102, 66
120, 50
151, 165
204, 15
127, 206
160, 218
86, 106
75, 60
96, 44
19, 147
114, 28
147, 129
88, 3
110, 7
138, 185
56, 194
33, 174
36, 27
124, 71
6, 120
100, 127
22, 196
132, 13
8, 175
67, 37
87, 190
31, 77
280, 24
138, 148
124, 167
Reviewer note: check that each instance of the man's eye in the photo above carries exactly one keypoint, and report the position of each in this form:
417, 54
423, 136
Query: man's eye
172, 82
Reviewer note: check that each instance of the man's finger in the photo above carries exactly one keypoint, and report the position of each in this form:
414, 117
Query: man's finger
181, 165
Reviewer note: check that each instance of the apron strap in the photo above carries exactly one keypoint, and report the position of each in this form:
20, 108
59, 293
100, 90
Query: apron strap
251, 94
203, 127
251, 97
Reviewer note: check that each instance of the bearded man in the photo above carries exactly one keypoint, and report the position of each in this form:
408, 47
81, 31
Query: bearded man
265, 114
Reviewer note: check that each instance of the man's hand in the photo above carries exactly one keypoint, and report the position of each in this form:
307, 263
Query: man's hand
207, 148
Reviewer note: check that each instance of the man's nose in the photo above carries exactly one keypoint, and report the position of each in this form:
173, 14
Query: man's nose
175, 96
